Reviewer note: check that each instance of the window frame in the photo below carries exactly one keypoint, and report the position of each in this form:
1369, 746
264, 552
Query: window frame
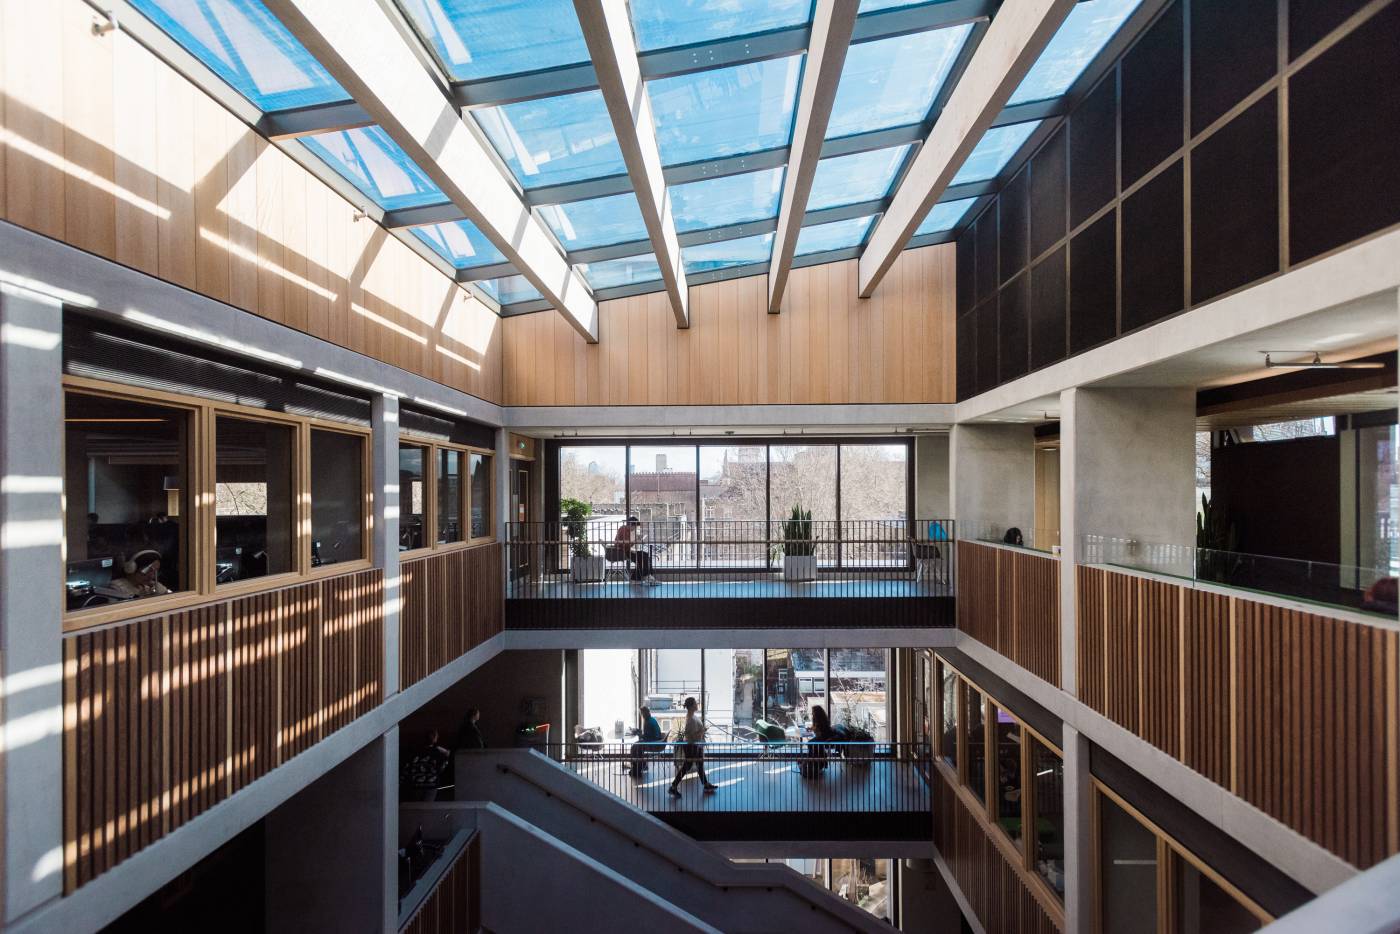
200, 551
431, 447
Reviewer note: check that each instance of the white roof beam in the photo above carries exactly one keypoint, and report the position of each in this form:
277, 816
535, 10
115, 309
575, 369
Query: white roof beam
833, 22
607, 30
358, 44
1018, 34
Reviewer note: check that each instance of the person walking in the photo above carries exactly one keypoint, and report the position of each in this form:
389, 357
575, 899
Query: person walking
694, 735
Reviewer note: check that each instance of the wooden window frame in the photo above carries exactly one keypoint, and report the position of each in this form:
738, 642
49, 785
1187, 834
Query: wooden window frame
1167, 876
467, 499
200, 550
431, 447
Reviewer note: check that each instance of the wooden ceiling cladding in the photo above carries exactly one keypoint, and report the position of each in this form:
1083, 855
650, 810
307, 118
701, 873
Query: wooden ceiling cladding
827, 345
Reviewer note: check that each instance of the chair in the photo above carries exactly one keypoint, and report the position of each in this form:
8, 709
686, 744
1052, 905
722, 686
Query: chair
619, 558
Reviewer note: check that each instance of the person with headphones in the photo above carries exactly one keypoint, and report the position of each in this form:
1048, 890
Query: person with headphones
142, 577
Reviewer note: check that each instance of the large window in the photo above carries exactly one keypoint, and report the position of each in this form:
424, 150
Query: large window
1008, 734
127, 495
723, 505
254, 501
451, 486
178, 499
975, 725
449, 496
948, 718
413, 497
481, 511
338, 497
1047, 778
1128, 872
864, 882
794, 682
860, 691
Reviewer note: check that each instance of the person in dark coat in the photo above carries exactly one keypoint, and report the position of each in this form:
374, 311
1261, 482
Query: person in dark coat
469, 734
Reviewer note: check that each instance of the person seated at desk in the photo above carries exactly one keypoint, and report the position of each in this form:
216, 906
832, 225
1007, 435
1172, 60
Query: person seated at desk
628, 537
142, 578
651, 736
817, 749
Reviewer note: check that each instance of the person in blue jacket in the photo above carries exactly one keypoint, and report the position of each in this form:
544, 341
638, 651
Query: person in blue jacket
651, 735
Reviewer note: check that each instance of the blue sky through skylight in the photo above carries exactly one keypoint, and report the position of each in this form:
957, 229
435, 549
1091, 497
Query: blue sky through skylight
1084, 32
733, 199
861, 176
613, 273
596, 222
243, 43
727, 111
488, 38
375, 165
838, 235
661, 24
744, 251
460, 243
510, 290
993, 151
554, 139
944, 216
892, 82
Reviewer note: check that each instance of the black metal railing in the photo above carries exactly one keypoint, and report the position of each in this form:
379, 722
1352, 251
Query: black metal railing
778, 777
730, 558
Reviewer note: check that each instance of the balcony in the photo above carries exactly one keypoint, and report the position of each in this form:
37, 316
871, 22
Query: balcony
598, 574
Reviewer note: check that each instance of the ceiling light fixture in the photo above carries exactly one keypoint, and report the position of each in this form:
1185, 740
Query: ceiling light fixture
1317, 363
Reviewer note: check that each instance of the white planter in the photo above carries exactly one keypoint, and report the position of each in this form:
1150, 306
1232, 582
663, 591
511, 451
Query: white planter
799, 568
591, 568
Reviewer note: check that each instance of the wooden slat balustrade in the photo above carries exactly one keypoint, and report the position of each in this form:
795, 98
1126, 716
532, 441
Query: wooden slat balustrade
452, 602
1295, 712
1009, 599
168, 715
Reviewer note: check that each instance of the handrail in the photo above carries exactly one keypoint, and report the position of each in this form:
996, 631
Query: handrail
427, 883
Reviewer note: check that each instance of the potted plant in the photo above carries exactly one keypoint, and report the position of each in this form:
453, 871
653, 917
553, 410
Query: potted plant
583, 564
799, 551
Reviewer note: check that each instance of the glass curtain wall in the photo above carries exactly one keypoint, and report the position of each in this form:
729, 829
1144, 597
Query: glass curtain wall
860, 691
722, 506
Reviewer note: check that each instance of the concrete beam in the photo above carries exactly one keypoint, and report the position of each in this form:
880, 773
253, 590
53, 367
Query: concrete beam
607, 29
1018, 34
832, 25
358, 44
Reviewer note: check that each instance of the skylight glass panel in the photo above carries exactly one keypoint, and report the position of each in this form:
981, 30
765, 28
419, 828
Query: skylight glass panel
744, 251
488, 38
596, 222
661, 24
993, 151
510, 290
241, 42
613, 273
944, 216
892, 82
838, 235
733, 199
861, 176
1081, 36
460, 243
554, 139
368, 159
872, 6
726, 111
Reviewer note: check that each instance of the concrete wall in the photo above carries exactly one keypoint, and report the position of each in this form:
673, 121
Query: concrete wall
925, 902
993, 475
498, 688
932, 477
325, 850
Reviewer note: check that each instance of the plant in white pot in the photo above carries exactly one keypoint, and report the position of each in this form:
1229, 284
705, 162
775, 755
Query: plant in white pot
799, 550
583, 565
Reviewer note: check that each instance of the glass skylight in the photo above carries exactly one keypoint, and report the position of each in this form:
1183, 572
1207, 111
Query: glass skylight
993, 151
460, 243
838, 235
374, 164
744, 251
661, 24
629, 270
944, 216
733, 199
554, 139
892, 82
596, 222
861, 176
510, 290
488, 38
726, 111
241, 42
871, 6
1084, 32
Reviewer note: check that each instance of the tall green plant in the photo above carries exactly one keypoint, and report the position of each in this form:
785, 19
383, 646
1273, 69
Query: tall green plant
576, 513
1215, 543
797, 534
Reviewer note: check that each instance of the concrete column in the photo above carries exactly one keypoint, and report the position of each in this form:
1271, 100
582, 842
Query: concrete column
31, 597
328, 853
993, 475
1127, 470
503, 497
385, 420
925, 901
388, 764
931, 478
1079, 848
